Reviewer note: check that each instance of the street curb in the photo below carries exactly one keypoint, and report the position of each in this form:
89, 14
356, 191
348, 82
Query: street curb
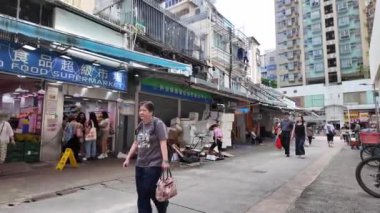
283, 199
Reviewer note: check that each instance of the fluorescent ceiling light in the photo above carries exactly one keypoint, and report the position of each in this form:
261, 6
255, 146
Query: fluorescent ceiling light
66, 57
96, 64
114, 91
85, 99
59, 82
90, 87
67, 97
21, 76
96, 86
28, 47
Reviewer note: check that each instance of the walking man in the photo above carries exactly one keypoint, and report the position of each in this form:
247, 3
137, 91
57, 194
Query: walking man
330, 132
286, 126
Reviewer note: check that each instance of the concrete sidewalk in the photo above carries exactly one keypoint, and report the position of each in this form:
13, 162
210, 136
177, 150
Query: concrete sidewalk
336, 189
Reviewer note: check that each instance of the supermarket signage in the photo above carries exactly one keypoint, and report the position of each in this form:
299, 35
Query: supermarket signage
166, 88
49, 65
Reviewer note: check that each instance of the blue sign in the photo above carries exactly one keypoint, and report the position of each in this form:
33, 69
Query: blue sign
49, 65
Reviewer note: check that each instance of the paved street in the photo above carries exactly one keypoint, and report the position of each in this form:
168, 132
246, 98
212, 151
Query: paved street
257, 179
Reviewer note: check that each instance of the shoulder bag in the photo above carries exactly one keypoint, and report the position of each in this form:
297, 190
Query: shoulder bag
91, 135
166, 187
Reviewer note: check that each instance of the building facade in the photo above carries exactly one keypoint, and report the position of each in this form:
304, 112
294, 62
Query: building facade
269, 65
333, 55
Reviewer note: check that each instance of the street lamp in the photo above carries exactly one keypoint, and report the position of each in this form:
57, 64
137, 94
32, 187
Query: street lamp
376, 104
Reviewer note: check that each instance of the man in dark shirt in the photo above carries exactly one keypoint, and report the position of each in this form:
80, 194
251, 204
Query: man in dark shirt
286, 126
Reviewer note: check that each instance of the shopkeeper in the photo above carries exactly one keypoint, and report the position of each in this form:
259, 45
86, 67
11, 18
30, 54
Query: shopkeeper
6, 135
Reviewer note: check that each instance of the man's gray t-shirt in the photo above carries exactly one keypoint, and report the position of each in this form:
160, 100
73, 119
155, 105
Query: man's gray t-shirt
286, 125
148, 137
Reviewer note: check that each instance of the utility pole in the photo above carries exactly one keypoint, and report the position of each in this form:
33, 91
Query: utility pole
230, 71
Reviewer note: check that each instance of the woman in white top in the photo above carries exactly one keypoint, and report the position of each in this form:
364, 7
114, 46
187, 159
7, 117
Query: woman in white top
104, 126
6, 135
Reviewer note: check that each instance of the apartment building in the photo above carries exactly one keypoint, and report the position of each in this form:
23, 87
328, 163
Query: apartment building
269, 65
370, 12
323, 56
232, 55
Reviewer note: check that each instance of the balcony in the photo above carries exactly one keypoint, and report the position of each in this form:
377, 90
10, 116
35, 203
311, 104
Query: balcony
239, 68
220, 57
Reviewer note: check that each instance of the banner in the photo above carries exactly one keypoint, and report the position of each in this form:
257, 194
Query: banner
49, 65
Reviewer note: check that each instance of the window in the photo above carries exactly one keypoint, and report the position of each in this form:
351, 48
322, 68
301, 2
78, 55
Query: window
346, 63
344, 34
345, 49
318, 53
317, 40
328, 9
343, 21
318, 67
329, 22
356, 98
331, 49
315, 14
290, 66
314, 101
331, 62
330, 35
342, 6
316, 27
219, 42
314, 3
9, 7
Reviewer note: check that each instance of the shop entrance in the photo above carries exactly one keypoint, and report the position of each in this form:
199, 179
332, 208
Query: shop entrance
22, 100
74, 106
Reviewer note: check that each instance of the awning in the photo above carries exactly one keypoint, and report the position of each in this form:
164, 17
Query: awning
12, 25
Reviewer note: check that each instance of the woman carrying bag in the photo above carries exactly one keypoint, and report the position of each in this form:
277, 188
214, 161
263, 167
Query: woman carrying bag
90, 137
152, 158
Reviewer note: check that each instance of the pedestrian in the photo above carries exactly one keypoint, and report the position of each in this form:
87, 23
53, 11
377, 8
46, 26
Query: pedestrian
330, 132
286, 126
299, 132
72, 134
81, 121
104, 126
92, 127
152, 158
310, 133
6, 136
218, 136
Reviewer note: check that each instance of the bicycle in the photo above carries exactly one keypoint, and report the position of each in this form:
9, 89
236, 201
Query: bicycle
370, 144
198, 142
368, 175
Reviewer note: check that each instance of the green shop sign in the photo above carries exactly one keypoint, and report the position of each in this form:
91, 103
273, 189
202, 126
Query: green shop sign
166, 88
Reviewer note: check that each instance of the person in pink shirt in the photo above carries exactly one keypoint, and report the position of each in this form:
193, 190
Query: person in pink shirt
218, 135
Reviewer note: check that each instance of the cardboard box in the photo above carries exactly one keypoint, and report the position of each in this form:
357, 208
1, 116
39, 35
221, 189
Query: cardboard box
194, 116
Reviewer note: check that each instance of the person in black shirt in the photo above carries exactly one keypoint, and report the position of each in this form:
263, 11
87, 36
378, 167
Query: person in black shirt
299, 132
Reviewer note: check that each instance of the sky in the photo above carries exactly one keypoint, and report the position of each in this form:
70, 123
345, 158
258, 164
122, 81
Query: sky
253, 17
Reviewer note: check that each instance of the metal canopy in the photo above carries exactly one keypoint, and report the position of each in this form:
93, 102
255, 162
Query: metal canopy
12, 25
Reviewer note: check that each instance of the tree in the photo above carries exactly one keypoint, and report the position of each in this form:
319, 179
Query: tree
269, 83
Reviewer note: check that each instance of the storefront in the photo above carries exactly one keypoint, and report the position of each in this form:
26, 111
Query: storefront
38, 87
173, 100
20, 98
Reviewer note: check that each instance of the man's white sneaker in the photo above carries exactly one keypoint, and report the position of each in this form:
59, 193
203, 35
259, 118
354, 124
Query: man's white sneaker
101, 156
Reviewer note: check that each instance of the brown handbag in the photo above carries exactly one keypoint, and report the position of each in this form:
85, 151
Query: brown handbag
166, 187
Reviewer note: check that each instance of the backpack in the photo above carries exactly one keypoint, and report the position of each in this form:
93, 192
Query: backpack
68, 133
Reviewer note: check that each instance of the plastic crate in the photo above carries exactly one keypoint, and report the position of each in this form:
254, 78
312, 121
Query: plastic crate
370, 138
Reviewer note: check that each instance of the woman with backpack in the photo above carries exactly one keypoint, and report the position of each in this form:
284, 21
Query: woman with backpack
152, 157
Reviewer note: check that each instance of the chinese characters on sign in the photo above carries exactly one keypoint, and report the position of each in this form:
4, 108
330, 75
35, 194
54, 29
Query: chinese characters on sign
50, 66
